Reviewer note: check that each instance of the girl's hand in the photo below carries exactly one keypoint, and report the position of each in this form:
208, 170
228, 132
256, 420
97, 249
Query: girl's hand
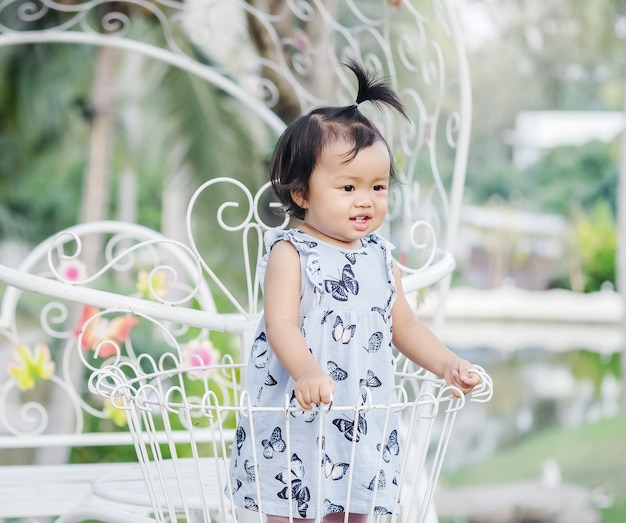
458, 373
314, 387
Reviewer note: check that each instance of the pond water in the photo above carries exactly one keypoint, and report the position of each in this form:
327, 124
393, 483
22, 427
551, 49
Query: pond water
534, 390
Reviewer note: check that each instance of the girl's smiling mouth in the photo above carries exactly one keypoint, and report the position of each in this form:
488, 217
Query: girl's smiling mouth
361, 221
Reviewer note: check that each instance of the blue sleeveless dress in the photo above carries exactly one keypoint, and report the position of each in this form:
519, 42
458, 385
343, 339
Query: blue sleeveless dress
346, 299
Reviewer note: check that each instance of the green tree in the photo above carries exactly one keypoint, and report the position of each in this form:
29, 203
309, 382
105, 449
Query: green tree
40, 94
595, 237
570, 177
49, 115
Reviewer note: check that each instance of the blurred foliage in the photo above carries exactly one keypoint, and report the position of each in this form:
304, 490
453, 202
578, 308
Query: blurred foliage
45, 124
568, 178
580, 182
496, 180
595, 236
36, 101
586, 364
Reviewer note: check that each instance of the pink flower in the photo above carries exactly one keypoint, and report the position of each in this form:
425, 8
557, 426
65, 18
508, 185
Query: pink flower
301, 40
72, 270
199, 354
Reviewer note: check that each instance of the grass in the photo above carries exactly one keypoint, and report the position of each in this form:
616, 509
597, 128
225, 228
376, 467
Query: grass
591, 455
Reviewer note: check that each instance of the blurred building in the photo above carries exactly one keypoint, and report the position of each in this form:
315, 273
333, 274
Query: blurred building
537, 131
499, 244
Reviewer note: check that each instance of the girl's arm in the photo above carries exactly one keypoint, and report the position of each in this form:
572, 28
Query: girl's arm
418, 343
282, 317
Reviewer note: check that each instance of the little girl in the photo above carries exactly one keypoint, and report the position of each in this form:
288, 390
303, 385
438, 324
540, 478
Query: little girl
332, 293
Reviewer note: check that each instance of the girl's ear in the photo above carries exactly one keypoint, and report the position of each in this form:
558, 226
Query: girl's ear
298, 197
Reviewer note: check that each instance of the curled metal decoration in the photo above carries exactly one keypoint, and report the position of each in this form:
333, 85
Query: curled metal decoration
268, 92
250, 223
170, 389
241, 224
121, 255
54, 315
245, 191
301, 8
453, 127
423, 239
365, 32
33, 414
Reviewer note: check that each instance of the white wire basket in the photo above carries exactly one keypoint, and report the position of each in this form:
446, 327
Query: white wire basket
183, 422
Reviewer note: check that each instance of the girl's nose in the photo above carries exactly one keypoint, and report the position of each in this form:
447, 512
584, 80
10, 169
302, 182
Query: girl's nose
364, 200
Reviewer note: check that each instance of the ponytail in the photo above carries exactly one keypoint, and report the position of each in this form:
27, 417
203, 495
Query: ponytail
373, 89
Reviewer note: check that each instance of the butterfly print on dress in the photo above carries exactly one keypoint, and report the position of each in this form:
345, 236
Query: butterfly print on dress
343, 333
335, 372
391, 447
260, 351
240, 437
275, 443
352, 256
309, 244
346, 426
391, 293
378, 482
250, 504
371, 381
313, 267
250, 471
331, 508
236, 486
297, 411
383, 313
334, 471
327, 313
268, 382
339, 289
375, 342
299, 492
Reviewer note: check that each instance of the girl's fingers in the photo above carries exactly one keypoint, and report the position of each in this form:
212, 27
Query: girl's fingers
326, 395
303, 400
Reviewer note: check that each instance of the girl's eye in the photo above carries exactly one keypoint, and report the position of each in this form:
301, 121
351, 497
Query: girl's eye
379, 187
349, 188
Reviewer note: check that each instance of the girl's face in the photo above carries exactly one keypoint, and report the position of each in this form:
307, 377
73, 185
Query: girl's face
347, 201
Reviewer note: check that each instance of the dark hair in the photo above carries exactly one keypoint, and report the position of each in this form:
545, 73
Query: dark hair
303, 141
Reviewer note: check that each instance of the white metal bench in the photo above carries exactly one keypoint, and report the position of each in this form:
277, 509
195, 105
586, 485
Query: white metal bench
43, 300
